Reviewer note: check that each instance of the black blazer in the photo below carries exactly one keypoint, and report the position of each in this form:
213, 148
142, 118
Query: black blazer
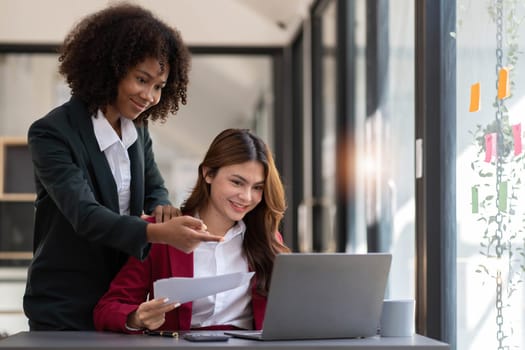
80, 240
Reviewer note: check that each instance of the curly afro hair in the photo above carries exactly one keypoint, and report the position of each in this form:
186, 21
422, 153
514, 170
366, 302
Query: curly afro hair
101, 49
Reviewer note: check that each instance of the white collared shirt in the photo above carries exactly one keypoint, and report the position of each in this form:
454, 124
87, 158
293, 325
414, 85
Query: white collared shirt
116, 152
232, 307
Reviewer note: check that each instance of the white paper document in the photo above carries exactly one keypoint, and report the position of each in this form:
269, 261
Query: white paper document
184, 289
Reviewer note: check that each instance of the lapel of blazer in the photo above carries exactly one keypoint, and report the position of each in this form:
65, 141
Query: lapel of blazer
136, 156
104, 182
181, 265
258, 306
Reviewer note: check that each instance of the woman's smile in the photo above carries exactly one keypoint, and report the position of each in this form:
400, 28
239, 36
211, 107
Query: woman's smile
238, 207
139, 106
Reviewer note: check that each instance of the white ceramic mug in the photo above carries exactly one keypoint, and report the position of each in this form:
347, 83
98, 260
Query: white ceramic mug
398, 318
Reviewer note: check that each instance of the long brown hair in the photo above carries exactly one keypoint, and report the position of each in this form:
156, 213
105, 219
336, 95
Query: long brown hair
260, 245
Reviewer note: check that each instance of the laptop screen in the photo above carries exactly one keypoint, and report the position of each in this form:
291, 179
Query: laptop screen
326, 295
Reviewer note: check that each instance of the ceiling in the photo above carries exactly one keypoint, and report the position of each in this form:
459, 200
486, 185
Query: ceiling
201, 22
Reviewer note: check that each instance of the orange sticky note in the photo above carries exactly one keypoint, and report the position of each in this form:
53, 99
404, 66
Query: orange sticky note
503, 83
475, 92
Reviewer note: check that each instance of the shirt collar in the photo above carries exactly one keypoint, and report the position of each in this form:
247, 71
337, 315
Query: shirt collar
238, 229
105, 134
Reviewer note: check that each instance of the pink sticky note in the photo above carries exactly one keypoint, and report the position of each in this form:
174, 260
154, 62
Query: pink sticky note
490, 146
516, 133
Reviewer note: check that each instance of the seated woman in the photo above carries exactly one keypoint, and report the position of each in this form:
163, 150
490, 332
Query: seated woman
239, 196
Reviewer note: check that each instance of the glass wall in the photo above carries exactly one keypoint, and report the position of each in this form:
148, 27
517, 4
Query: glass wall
490, 172
385, 171
396, 164
323, 132
363, 171
328, 137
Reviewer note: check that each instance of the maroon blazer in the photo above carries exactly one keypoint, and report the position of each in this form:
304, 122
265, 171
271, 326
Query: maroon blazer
134, 282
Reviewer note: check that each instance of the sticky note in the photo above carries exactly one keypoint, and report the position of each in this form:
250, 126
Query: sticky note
516, 134
502, 196
475, 201
491, 141
503, 83
475, 95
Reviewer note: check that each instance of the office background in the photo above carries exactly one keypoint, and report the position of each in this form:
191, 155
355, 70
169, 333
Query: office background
366, 106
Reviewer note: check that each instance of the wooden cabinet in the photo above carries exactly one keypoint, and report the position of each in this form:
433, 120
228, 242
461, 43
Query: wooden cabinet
17, 194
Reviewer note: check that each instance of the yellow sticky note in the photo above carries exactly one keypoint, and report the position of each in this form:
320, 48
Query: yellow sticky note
503, 83
475, 92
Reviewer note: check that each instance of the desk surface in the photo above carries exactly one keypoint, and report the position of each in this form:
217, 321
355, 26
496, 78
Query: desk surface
116, 341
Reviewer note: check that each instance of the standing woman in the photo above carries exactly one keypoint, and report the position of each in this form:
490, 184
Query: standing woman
94, 167
239, 195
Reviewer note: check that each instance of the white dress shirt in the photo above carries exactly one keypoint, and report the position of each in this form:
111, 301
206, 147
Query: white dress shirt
116, 152
232, 307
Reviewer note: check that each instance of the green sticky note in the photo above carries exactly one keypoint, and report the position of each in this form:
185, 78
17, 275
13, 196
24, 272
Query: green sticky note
502, 196
475, 204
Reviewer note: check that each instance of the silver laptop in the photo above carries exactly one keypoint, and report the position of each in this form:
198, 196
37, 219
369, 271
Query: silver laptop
323, 296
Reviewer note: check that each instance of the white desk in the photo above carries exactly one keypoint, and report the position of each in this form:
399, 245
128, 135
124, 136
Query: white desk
116, 341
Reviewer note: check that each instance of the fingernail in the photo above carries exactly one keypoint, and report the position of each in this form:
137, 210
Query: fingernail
166, 300
176, 305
